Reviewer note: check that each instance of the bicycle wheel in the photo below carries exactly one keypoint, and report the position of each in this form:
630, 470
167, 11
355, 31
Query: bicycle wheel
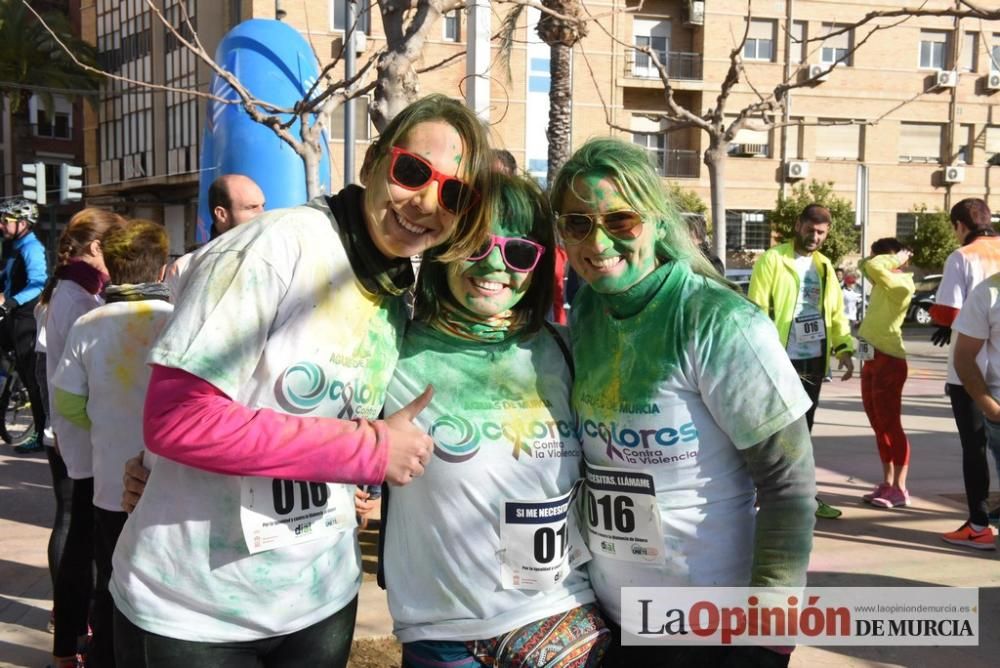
18, 422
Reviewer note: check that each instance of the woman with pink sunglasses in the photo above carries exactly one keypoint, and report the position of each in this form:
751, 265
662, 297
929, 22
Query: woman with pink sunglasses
481, 553
262, 408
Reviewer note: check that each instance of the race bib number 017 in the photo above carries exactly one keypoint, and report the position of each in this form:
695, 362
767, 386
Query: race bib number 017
623, 520
278, 513
540, 543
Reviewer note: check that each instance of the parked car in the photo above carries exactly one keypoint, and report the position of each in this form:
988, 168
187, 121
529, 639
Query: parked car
923, 299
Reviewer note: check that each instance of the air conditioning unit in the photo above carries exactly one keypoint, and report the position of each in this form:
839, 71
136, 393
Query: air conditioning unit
796, 169
954, 174
993, 81
946, 79
819, 72
696, 13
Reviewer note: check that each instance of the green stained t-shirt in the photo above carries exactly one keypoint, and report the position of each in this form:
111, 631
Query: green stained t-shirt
692, 375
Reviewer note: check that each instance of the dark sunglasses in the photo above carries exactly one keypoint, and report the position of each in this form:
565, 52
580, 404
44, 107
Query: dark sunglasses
520, 255
414, 173
577, 227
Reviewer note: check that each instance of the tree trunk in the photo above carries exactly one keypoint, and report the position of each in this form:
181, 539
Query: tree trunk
560, 130
311, 160
715, 160
397, 81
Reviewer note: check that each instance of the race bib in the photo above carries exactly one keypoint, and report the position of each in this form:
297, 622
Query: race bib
540, 543
278, 513
623, 520
866, 351
809, 328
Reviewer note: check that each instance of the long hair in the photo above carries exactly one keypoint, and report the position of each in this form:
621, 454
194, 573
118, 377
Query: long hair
628, 166
84, 227
520, 204
472, 227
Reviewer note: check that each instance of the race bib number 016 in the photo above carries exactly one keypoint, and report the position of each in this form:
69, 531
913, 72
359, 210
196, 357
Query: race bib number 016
278, 513
539, 543
809, 328
623, 520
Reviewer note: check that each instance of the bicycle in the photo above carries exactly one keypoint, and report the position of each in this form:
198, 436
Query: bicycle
18, 424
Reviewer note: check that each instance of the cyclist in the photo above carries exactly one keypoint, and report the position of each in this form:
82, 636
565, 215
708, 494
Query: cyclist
23, 274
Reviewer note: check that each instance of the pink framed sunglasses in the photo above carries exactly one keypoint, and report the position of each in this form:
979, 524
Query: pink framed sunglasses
519, 254
410, 171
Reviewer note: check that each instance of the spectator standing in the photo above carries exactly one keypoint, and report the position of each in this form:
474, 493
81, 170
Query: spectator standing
852, 301
976, 259
882, 377
100, 386
797, 287
24, 274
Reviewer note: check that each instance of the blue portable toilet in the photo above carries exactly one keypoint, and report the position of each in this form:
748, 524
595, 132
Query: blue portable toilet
276, 64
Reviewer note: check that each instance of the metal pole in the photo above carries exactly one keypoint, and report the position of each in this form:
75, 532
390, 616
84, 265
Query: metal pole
350, 68
953, 103
477, 58
786, 110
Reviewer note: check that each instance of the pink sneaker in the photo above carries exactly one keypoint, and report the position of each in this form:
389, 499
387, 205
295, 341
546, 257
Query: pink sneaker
894, 497
880, 490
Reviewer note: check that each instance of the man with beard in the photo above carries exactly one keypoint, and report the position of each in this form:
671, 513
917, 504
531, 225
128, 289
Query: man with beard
797, 287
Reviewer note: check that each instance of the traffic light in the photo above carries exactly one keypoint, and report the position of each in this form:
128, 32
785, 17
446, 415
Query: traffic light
34, 181
70, 182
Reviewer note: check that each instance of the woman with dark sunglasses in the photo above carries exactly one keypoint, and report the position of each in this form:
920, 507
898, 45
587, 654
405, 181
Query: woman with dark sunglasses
686, 403
262, 409
480, 553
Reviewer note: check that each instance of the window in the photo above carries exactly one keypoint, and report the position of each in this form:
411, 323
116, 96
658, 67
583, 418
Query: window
906, 225
837, 48
747, 230
361, 129
838, 140
992, 141
56, 122
920, 142
451, 28
967, 55
760, 40
933, 49
656, 145
798, 52
539, 76
655, 35
964, 138
362, 10
750, 144
995, 54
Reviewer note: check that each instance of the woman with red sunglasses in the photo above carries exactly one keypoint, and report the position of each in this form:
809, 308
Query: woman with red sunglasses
690, 413
262, 409
481, 553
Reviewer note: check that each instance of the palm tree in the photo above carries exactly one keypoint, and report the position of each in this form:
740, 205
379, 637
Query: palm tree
32, 62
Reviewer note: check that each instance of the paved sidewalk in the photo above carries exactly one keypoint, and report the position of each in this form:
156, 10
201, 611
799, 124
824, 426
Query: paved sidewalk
866, 547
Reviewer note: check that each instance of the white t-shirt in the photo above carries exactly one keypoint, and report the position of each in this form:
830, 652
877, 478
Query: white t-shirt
677, 391
980, 319
105, 361
69, 301
280, 322
503, 431
852, 298
964, 269
175, 273
807, 305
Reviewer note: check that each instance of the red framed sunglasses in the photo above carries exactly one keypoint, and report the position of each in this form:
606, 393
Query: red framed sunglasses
519, 254
410, 171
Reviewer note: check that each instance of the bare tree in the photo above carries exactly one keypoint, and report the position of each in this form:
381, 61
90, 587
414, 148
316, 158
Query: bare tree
722, 124
395, 85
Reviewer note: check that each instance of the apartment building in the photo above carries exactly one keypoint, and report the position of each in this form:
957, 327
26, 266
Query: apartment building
917, 103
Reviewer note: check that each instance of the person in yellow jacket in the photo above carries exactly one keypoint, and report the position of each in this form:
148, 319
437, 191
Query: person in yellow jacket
797, 287
882, 377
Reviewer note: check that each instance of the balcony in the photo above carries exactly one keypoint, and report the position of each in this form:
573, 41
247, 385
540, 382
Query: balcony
681, 66
676, 164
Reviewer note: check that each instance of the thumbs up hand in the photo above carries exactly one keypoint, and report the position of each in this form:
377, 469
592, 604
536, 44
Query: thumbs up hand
410, 447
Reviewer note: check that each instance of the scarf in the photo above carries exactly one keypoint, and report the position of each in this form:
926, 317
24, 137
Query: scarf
87, 277
136, 292
632, 301
458, 322
378, 274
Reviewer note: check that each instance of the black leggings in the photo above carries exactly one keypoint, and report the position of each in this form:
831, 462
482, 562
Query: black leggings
326, 643
811, 372
63, 488
108, 526
75, 579
975, 467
